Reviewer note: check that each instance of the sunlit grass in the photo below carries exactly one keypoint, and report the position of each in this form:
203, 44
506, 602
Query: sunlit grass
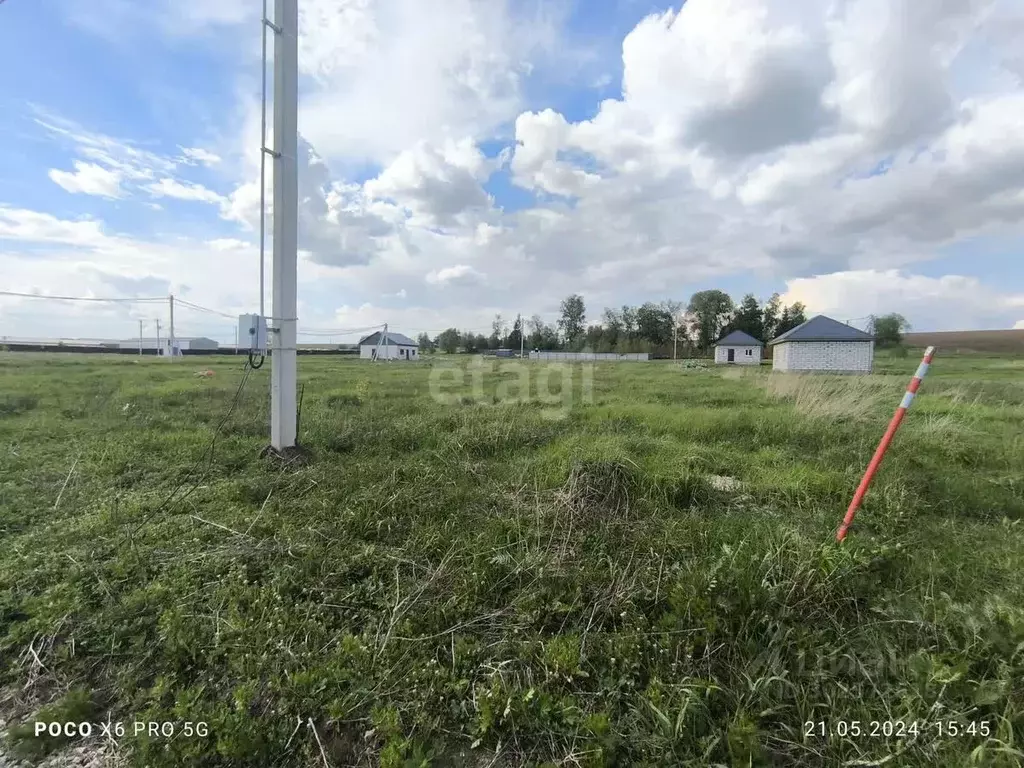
643, 575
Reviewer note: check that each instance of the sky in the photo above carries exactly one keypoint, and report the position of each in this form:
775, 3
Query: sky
466, 158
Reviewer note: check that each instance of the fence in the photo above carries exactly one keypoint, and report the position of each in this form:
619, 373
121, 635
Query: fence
591, 356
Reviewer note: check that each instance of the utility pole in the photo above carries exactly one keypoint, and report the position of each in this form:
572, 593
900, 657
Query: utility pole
675, 337
383, 341
172, 326
140, 338
158, 336
283, 362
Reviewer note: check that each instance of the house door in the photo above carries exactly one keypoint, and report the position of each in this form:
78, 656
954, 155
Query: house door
732, 355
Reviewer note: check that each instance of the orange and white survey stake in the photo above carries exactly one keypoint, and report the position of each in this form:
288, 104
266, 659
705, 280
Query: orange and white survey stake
890, 433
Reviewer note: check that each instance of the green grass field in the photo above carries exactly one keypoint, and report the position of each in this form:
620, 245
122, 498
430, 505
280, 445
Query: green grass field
641, 573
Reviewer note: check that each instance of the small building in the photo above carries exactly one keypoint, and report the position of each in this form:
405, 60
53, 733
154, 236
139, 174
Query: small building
824, 345
738, 348
394, 346
163, 344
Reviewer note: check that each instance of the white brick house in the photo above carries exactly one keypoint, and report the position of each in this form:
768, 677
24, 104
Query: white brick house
824, 345
394, 347
738, 348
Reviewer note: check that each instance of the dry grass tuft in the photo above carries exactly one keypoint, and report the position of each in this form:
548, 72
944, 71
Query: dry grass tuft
830, 397
598, 489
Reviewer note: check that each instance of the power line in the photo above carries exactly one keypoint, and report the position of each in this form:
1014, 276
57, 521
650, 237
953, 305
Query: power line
338, 331
199, 308
78, 298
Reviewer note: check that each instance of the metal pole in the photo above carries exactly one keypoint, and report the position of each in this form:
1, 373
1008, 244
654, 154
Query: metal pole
283, 363
158, 337
172, 326
382, 342
890, 433
522, 342
263, 165
140, 338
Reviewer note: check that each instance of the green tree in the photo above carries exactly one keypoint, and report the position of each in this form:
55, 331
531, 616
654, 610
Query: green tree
654, 323
749, 317
792, 316
516, 335
628, 317
596, 339
449, 341
542, 336
612, 322
890, 329
425, 345
711, 310
497, 332
770, 316
572, 323
797, 313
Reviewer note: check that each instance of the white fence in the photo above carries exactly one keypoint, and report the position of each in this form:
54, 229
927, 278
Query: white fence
595, 356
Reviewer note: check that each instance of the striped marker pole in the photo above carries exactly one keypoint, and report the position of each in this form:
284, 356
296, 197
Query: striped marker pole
890, 433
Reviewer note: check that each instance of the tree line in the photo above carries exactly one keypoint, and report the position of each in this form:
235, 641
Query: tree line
667, 327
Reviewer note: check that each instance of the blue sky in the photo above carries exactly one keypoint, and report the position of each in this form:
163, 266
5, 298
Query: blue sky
477, 158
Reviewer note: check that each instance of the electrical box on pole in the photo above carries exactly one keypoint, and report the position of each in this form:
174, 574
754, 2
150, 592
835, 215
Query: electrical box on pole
252, 333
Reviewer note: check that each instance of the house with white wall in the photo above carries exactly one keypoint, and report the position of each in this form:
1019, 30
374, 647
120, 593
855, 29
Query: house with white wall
824, 345
395, 346
738, 348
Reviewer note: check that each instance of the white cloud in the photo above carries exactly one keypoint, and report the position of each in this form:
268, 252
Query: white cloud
183, 191
34, 227
754, 139
88, 179
460, 274
54, 256
436, 184
228, 244
951, 302
125, 157
195, 155
391, 74
338, 223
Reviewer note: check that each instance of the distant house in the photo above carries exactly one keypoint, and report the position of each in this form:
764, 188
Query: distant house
738, 348
394, 347
824, 345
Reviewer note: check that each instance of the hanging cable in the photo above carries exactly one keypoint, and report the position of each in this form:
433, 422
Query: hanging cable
199, 308
339, 331
264, 23
263, 162
207, 455
78, 298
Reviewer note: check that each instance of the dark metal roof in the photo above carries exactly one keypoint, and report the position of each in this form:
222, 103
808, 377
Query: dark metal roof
739, 339
823, 328
394, 339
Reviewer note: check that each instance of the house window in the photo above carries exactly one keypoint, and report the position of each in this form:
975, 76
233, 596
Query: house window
750, 353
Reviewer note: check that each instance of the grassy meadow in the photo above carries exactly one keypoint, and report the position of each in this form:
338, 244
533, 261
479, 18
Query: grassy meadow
637, 570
